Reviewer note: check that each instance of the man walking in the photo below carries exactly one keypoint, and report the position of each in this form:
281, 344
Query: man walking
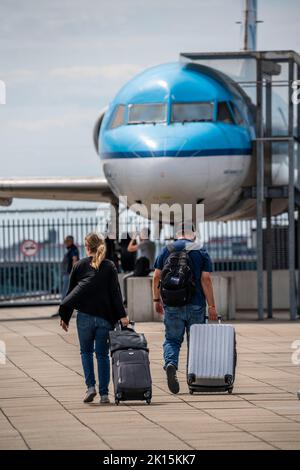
182, 287
70, 258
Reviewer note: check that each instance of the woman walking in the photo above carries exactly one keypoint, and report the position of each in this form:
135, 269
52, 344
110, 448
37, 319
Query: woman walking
95, 293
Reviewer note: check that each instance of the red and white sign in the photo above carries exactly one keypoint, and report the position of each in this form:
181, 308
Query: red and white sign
29, 248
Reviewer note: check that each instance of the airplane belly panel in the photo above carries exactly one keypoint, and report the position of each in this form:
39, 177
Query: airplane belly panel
213, 180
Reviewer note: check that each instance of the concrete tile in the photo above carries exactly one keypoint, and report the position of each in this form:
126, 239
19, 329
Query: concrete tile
12, 443
259, 445
43, 395
279, 436
288, 445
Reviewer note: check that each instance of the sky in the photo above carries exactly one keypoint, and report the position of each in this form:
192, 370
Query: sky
64, 60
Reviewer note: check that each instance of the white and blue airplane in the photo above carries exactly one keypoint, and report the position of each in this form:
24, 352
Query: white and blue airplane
178, 133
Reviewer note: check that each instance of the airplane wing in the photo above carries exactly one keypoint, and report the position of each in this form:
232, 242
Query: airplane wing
69, 189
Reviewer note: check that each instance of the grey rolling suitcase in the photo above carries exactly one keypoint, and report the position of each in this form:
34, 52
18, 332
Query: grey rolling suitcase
211, 358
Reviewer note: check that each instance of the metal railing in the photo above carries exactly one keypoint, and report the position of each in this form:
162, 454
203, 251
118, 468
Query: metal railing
31, 249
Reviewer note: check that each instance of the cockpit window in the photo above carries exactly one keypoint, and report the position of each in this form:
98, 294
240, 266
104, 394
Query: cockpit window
192, 112
150, 113
237, 115
118, 118
223, 113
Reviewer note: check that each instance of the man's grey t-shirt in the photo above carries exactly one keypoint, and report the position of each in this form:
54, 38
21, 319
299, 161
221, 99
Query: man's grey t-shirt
147, 248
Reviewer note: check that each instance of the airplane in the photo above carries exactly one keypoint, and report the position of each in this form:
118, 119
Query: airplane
177, 133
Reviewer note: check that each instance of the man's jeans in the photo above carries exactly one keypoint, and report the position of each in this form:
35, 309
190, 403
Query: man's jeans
178, 320
65, 285
93, 334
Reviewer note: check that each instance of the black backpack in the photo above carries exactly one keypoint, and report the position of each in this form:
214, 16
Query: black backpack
177, 285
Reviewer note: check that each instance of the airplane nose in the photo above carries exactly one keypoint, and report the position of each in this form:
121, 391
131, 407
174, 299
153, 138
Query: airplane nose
164, 147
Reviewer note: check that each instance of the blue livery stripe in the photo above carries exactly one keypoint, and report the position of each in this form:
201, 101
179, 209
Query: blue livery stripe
176, 153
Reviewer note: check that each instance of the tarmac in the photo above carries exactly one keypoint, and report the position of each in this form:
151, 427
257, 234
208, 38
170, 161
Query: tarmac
41, 391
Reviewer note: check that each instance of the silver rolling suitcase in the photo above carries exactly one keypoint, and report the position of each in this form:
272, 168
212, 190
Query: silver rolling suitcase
211, 358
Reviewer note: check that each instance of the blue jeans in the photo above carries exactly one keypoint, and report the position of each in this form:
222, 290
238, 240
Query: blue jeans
93, 334
178, 320
65, 285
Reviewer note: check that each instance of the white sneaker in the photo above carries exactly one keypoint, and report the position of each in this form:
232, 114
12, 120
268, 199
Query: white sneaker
90, 395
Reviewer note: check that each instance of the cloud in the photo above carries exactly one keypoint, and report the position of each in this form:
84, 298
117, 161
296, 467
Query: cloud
107, 72
61, 121
20, 76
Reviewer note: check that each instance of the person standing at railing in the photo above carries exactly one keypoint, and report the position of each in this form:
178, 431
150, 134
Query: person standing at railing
70, 258
145, 250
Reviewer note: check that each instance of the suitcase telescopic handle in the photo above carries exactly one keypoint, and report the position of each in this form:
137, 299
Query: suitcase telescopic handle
219, 318
120, 327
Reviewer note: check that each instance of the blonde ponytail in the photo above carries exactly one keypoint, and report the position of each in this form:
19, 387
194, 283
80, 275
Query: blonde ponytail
99, 256
97, 248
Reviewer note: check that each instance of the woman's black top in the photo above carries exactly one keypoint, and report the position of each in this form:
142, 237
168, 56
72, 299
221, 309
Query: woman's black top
93, 291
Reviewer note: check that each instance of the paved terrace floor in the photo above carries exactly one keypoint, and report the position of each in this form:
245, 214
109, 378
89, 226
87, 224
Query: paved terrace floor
41, 389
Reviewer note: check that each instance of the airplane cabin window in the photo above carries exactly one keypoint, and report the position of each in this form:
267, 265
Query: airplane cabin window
118, 117
150, 113
192, 112
224, 114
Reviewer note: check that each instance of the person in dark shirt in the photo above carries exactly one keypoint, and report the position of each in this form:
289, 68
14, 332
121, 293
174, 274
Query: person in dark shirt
145, 250
178, 320
110, 241
69, 259
95, 293
127, 258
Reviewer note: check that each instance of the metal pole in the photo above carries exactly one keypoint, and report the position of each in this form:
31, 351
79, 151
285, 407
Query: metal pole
249, 25
259, 190
268, 177
298, 183
291, 199
298, 260
298, 131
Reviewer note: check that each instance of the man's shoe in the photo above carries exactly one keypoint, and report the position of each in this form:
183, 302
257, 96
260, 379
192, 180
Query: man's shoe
173, 383
90, 395
104, 400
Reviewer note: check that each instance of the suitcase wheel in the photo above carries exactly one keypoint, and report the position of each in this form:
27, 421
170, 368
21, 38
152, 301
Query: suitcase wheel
118, 397
148, 401
228, 379
191, 392
191, 378
230, 390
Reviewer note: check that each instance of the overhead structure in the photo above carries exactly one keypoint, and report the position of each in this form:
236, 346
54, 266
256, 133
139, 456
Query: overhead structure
265, 66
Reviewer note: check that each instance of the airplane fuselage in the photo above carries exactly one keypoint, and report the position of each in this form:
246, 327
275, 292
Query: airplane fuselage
180, 134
